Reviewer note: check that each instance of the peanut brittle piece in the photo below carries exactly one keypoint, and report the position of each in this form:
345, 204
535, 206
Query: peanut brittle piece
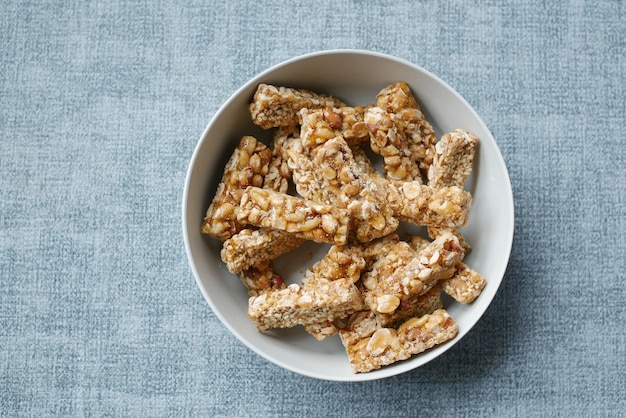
251, 247
465, 284
274, 106
403, 272
419, 334
279, 173
434, 232
451, 167
340, 262
388, 345
343, 178
353, 128
423, 205
418, 133
318, 126
261, 278
365, 323
395, 97
327, 172
453, 160
412, 306
399, 162
246, 167
304, 218
419, 136
303, 173
323, 300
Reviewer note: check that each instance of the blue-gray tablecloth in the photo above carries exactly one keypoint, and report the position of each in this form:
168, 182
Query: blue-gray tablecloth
101, 106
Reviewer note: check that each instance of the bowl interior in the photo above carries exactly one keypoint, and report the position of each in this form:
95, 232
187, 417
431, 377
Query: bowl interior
355, 77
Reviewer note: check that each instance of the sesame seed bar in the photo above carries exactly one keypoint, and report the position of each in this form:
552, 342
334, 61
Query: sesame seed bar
323, 300
251, 247
388, 345
246, 167
274, 106
303, 218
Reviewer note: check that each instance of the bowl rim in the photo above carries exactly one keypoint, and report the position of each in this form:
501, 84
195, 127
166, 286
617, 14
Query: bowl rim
256, 80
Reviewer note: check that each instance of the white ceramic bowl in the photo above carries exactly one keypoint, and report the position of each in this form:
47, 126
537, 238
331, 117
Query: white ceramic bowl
356, 77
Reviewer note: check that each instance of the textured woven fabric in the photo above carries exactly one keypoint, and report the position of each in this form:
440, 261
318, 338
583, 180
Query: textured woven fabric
101, 106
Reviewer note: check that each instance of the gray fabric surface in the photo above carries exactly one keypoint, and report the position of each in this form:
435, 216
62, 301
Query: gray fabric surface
101, 105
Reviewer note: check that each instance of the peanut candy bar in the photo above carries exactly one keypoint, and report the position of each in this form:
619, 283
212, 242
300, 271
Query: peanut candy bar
340, 262
419, 136
318, 126
411, 123
388, 345
304, 218
398, 161
303, 173
372, 217
344, 262
261, 278
434, 232
423, 205
451, 167
278, 106
365, 323
251, 247
402, 272
453, 160
279, 173
246, 167
396, 97
323, 300
412, 306
354, 129
332, 176
465, 284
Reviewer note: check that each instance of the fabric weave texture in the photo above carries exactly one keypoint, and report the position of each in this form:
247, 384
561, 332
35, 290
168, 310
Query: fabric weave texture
101, 106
